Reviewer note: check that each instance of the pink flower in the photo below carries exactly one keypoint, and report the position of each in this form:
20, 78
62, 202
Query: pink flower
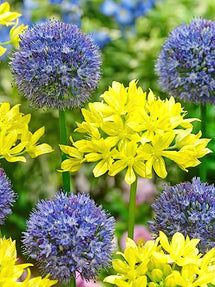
82, 283
141, 235
146, 191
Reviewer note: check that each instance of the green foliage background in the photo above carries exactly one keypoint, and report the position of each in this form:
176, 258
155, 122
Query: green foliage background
124, 59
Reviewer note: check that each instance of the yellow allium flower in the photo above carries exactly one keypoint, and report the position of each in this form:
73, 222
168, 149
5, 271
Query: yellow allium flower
10, 272
2, 50
31, 147
74, 162
179, 248
189, 276
129, 156
9, 18
15, 31
15, 137
8, 147
130, 130
163, 263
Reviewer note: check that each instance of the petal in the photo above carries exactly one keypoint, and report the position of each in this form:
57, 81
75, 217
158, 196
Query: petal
71, 151
112, 278
71, 165
130, 176
164, 241
2, 51
178, 243
93, 156
141, 281
18, 148
14, 158
37, 135
159, 167
116, 167
35, 151
140, 168
100, 168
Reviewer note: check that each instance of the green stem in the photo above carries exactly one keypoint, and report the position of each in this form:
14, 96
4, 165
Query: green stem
72, 283
63, 140
203, 169
5, 43
65, 175
131, 212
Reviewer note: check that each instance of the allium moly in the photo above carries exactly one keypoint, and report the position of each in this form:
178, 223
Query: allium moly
187, 62
134, 131
10, 271
188, 208
163, 263
69, 235
8, 18
56, 65
15, 137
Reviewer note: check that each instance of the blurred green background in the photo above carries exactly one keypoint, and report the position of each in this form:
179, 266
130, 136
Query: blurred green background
124, 58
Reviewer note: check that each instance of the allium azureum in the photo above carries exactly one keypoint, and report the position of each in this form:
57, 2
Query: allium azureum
188, 208
69, 234
187, 62
7, 196
126, 12
56, 65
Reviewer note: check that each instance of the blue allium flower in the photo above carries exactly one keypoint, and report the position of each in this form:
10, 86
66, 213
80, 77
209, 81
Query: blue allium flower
7, 196
124, 17
70, 10
186, 64
126, 12
27, 10
56, 65
188, 208
69, 234
101, 38
109, 7
56, 1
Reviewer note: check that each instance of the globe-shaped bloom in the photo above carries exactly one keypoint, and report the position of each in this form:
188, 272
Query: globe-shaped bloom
186, 63
7, 196
56, 65
188, 208
69, 234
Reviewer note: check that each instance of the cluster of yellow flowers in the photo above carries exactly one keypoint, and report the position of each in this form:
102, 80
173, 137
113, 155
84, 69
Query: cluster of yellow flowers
10, 272
15, 137
160, 263
133, 130
8, 18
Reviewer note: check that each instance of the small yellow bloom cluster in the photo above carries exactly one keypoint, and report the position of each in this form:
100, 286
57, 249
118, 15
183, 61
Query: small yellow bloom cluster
8, 18
10, 272
15, 137
135, 131
160, 263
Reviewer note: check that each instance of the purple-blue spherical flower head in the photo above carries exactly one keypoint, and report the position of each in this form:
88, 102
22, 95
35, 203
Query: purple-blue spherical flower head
186, 64
56, 65
7, 196
69, 234
188, 208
